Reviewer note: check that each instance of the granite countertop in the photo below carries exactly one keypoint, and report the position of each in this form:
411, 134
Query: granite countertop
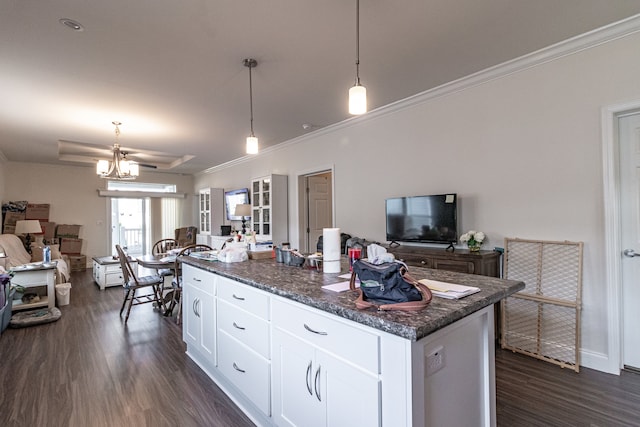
304, 285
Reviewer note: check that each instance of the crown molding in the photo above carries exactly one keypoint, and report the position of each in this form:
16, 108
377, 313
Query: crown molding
571, 46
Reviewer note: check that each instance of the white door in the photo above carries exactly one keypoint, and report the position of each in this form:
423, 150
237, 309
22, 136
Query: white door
129, 222
629, 136
319, 206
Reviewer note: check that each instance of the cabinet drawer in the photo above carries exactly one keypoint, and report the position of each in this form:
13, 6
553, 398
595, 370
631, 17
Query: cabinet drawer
246, 370
245, 327
342, 339
113, 278
199, 279
413, 260
252, 300
461, 266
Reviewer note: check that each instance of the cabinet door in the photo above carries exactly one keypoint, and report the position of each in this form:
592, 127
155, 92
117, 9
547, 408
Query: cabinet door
198, 310
294, 399
261, 206
352, 397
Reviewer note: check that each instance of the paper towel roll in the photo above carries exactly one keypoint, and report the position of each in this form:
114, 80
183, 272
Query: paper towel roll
331, 250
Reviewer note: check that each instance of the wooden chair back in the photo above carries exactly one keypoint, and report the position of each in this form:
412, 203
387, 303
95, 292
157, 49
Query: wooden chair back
163, 246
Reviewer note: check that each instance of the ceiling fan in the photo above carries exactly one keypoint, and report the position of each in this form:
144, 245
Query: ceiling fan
80, 152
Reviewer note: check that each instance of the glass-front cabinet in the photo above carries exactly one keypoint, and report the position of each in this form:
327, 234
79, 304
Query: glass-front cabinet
211, 207
205, 211
261, 214
269, 201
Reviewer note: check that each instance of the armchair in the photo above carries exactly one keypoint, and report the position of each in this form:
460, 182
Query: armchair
14, 249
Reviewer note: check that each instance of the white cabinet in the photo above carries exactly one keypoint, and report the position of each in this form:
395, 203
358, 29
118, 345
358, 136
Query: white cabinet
211, 207
269, 213
108, 272
198, 308
324, 372
37, 280
244, 340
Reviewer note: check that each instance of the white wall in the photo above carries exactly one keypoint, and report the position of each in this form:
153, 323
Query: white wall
72, 193
523, 152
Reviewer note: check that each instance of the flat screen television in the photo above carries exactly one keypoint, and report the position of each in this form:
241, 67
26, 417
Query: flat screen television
424, 219
233, 198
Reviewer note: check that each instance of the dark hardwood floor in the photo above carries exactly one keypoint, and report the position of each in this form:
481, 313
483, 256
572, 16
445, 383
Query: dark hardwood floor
89, 369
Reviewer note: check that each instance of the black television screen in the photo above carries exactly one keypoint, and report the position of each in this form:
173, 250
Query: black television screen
233, 198
425, 219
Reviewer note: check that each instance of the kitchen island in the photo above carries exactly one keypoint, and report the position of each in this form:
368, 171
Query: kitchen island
289, 352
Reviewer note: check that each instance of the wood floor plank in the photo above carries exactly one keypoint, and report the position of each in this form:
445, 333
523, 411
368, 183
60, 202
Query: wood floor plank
90, 369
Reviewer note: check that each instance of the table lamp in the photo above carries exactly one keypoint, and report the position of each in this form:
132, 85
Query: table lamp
243, 210
28, 227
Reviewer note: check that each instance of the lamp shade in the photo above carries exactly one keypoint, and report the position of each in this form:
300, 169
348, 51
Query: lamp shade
102, 168
29, 226
243, 210
252, 145
357, 99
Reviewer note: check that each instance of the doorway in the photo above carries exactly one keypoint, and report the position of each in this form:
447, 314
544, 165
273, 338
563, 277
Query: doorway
629, 168
616, 200
315, 207
129, 225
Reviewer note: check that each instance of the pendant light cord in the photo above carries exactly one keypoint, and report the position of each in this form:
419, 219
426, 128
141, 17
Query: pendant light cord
357, 42
250, 65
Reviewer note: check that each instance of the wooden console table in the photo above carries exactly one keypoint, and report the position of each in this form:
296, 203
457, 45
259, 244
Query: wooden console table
485, 263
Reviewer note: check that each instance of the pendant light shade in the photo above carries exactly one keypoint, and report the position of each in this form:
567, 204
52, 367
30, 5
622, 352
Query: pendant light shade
357, 100
252, 145
358, 93
252, 141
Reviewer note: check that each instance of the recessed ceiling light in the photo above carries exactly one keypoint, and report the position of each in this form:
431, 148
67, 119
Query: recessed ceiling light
74, 25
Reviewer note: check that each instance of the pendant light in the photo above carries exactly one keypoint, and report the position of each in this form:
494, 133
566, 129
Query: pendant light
358, 93
252, 141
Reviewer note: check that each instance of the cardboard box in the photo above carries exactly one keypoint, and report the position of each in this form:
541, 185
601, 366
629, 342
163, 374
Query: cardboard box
10, 218
66, 230
77, 262
260, 254
48, 229
70, 246
37, 211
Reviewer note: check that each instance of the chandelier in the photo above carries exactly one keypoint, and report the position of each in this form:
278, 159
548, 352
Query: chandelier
119, 168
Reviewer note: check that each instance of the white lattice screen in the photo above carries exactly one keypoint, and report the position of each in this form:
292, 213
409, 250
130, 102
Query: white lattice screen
543, 320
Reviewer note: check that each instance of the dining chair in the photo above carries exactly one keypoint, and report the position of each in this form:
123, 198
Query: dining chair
176, 283
138, 290
163, 246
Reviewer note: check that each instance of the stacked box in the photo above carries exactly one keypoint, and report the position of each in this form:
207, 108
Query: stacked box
70, 246
10, 219
77, 262
48, 230
37, 211
67, 230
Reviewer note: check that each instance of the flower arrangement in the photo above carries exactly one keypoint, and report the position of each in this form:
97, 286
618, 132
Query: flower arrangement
473, 239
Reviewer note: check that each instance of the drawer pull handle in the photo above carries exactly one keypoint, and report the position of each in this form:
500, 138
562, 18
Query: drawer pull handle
315, 385
195, 279
423, 262
237, 369
238, 327
238, 298
314, 331
309, 379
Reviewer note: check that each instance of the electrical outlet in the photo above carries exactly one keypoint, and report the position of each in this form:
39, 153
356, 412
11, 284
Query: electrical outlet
435, 361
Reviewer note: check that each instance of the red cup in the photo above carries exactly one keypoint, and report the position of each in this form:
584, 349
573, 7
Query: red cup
354, 254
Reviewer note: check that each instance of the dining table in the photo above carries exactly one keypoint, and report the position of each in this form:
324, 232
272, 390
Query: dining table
164, 265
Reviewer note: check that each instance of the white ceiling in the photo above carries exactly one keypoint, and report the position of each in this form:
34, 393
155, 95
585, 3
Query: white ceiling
172, 73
